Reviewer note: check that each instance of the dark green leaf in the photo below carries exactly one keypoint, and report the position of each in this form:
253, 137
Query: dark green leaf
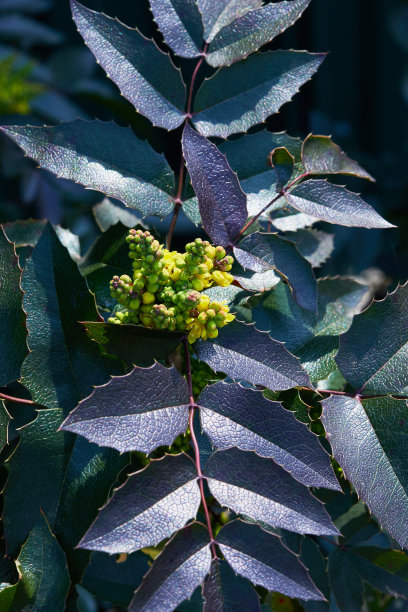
225, 592
107, 213
4, 423
181, 26
345, 582
320, 155
379, 578
314, 245
312, 557
283, 164
20, 27
245, 94
26, 6
102, 156
127, 58
28, 232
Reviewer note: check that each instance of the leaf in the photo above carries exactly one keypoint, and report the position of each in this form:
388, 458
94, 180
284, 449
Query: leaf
4, 423
221, 201
315, 246
224, 591
113, 580
127, 58
26, 6
263, 559
371, 360
253, 281
134, 344
346, 585
27, 232
245, 94
334, 204
149, 507
243, 352
177, 571
17, 27
102, 156
218, 14
283, 164
44, 579
152, 412
252, 30
260, 252
369, 440
181, 26
378, 577
13, 332
107, 213
258, 487
233, 416
320, 155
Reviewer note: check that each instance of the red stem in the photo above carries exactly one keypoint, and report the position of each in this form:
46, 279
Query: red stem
201, 478
17, 399
359, 396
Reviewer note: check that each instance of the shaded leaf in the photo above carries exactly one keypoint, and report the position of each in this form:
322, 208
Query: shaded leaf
283, 164
222, 203
245, 94
233, 416
369, 439
4, 423
218, 14
313, 245
149, 507
20, 27
312, 557
26, 6
262, 558
127, 58
378, 577
225, 592
27, 232
345, 582
320, 155
13, 332
371, 360
252, 30
181, 26
258, 487
177, 571
102, 156
243, 352
334, 204
107, 213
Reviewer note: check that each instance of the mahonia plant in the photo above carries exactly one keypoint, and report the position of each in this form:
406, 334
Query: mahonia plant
172, 463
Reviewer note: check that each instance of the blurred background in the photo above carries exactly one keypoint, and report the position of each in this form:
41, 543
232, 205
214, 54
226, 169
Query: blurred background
359, 96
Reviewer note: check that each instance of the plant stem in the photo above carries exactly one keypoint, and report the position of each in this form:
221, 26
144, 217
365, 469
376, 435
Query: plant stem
240, 234
359, 396
192, 409
17, 399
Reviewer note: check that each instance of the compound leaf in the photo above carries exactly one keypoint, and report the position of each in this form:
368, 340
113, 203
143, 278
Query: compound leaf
221, 201
179, 569
181, 26
334, 204
374, 361
226, 592
243, 352
127, 58
217, 14
320, 155
234, 416
261, 489
149, 507
369, 439
152, 412
263, 559
245, 94
102, 156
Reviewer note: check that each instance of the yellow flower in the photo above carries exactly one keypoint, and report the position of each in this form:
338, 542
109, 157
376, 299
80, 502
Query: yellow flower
222, 278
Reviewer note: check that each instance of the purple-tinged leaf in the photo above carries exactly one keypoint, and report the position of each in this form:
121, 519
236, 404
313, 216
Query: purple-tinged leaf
127, 58
244, 353
283, 164
250, 31
247, 93
313, 245
261, 489
233, 416
264, 560
217, 14
224, 591
221, 201
369, 439
102, 156
181, 26
137, 412
373, 353
320, 155
149, 507
179, 569
334, 204
260, 252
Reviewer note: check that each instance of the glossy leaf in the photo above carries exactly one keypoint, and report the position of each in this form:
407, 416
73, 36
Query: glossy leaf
148, 508
243, 352
262, 558
217, 14
369, 440
315, 246
27, 232
13, 332
152, 412
283, 164
233, 416
127, 58
320, 155
222, 203
371, 360
253, 281
259, 252
226, 592
245, 94
334, 204
177, 571
181, 26
102, 156
107, 213
258, 487
252, 30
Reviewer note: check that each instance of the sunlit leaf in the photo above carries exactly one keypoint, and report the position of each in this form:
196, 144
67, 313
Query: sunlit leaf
223, 590
320, 155
181, 26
